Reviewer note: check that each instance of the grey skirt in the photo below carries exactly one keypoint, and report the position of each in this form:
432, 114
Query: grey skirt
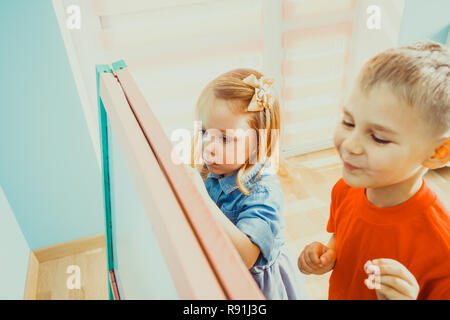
281, 279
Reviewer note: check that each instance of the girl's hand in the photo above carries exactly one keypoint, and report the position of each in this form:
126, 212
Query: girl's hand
316, 258
393, 281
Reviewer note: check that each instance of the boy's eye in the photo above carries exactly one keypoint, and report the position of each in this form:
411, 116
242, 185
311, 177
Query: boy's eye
378, 140
347, 124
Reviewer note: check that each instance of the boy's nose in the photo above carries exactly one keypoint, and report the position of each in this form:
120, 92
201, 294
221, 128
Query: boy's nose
352, 144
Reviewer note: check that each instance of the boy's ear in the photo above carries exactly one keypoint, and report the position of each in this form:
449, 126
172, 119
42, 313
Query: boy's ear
440, 157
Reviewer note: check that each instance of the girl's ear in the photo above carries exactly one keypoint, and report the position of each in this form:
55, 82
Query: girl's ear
440, 157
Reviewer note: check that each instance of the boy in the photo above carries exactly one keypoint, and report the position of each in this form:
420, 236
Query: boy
390, 234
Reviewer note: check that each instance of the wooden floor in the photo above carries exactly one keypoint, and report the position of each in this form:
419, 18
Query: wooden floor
54, 272
306, 215
308, 202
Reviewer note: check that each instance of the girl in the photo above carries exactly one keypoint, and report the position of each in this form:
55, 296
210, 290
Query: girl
240, 118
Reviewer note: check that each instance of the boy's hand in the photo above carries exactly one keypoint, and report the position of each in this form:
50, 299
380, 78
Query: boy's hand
393, 281
316, 258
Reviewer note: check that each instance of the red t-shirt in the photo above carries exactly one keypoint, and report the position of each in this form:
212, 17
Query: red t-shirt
416, 233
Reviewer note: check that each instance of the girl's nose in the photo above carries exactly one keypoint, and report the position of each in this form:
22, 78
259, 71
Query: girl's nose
209, 150
352, 144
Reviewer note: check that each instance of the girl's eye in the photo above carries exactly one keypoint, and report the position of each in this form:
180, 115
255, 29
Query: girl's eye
203, 132
347, 124
378, 140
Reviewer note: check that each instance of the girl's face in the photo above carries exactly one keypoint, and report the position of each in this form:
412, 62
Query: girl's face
381, 140
228, 141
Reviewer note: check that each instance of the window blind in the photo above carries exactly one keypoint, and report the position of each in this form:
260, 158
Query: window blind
316, 43
174, 48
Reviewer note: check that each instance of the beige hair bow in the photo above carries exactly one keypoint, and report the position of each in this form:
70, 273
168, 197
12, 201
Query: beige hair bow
264, 96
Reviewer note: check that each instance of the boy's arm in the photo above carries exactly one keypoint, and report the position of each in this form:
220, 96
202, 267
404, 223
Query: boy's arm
318, 258
332, 242
330, 254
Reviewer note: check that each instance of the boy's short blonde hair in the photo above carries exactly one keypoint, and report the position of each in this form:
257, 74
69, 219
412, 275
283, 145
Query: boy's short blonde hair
419, 74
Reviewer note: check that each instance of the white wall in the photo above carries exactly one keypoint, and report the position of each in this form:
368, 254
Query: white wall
14, 253
369, 42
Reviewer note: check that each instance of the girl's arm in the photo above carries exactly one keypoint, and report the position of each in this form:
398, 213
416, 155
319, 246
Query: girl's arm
248, 251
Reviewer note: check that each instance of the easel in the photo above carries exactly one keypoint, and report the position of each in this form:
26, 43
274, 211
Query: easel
201, 260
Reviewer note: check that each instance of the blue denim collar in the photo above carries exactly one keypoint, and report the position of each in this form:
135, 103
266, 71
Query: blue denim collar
229, 184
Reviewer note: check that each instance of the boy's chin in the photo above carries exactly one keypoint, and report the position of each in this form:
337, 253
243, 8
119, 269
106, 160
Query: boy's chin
355, 181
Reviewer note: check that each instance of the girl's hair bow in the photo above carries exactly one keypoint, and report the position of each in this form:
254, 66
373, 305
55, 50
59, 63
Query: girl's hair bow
264, 96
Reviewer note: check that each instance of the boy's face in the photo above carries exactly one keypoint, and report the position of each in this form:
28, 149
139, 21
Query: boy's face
381, 140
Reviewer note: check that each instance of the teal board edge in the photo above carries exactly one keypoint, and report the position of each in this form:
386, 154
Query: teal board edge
119, 65
103, 122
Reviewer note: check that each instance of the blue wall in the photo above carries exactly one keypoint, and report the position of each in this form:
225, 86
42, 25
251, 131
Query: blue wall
13, 256
48, 169
422, 20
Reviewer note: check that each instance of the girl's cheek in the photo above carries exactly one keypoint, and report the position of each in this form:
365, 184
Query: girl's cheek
242, 150
220, 154
228, 153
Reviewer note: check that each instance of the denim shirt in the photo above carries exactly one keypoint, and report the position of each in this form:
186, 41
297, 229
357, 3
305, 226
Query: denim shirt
258, 215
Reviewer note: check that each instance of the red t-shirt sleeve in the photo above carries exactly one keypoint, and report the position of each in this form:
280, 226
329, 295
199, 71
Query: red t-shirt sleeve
331, 226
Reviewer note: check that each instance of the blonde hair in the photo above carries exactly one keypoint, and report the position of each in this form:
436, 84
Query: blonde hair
419, 74
230, 87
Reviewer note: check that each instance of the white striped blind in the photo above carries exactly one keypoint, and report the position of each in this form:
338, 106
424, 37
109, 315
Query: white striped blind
313, 48
316, 41
174, 48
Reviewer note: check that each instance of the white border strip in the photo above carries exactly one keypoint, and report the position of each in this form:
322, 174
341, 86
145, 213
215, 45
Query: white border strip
91, 119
